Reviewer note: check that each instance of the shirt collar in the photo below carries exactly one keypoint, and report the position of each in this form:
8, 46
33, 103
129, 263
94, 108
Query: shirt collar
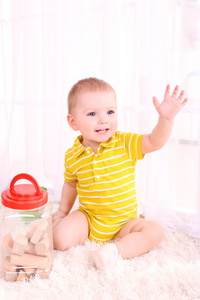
110, 143
78, 147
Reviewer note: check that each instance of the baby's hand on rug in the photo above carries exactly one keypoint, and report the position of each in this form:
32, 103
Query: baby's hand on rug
57, 216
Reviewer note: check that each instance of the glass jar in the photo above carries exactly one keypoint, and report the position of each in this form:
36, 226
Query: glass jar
26, 238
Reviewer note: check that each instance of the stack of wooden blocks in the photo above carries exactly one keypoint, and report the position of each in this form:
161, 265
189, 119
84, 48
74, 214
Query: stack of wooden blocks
28, 254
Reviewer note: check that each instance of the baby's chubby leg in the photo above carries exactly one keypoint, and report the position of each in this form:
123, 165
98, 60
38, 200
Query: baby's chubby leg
71, 230
137, 237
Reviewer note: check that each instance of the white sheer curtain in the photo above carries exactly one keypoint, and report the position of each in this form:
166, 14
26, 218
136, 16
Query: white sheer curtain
138, 46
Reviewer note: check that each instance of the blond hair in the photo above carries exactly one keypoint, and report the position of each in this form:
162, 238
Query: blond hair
87, 85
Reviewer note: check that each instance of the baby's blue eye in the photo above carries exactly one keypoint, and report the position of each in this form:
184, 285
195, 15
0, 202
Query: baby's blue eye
91, 114
110, 112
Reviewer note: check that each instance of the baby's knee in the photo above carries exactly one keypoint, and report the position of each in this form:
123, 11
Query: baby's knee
64, 237
157, 232
59, 242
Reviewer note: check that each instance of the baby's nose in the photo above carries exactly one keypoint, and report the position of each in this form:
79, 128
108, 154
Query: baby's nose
103, 119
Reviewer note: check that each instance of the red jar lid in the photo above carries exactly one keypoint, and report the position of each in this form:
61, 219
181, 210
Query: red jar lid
24, 196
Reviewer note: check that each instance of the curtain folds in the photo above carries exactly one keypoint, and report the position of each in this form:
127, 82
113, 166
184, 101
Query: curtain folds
138, 47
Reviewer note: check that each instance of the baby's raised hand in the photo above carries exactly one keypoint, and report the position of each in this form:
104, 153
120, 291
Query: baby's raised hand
171, 105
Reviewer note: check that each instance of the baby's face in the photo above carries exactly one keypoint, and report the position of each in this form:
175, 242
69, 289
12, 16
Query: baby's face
96, 117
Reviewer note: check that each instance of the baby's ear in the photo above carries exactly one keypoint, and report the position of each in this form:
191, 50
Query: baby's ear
72, 122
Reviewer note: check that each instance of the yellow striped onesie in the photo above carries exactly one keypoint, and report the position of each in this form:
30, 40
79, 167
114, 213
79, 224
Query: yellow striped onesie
105, 182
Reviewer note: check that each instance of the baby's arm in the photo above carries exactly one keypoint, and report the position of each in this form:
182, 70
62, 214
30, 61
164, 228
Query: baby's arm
167, 110
68, 197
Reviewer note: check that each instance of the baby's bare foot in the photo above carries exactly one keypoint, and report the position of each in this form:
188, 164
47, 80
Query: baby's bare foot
105, 256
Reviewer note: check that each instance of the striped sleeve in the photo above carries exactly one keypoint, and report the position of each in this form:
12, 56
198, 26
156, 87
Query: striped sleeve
68, 175
133, 145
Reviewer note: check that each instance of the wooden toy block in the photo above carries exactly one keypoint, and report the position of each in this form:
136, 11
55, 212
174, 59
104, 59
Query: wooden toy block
42, 247
29, 271
7, 266
10, 276
52, 257
30, 248
31, 261
22, 276
20, 244
7, 244
39, 231
43, 274
31, 230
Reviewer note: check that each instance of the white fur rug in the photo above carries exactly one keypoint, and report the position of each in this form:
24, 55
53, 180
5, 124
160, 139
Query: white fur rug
170, 271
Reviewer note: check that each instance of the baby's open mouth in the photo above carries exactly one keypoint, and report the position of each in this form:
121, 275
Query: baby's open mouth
102, 130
